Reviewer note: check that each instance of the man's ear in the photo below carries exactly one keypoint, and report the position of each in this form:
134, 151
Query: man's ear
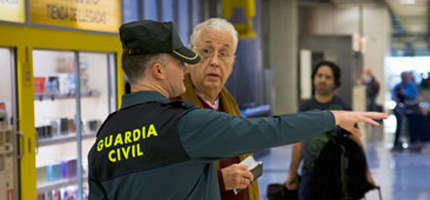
158, 71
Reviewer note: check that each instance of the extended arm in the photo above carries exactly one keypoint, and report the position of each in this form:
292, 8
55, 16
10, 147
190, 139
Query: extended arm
203, 132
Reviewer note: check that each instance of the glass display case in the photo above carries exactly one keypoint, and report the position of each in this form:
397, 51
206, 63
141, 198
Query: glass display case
8, 137
69, 105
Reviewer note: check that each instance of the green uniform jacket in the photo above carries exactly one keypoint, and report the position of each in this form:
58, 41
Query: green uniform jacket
207, 136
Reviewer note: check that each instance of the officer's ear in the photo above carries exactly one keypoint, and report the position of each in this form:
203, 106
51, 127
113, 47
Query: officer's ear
157, 70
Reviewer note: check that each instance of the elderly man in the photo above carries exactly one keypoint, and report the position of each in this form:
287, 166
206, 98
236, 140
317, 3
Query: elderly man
153, 148
215, 40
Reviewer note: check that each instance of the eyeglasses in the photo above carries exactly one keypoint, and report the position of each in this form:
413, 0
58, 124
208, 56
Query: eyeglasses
208, 53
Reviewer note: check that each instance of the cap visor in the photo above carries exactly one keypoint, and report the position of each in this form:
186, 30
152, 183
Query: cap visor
186, 55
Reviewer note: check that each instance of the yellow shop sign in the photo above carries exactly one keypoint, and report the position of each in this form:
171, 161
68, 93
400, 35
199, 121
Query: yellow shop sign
94, 15
12, 10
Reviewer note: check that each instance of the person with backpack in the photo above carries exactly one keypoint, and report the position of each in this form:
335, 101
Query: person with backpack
372, 89
325, 79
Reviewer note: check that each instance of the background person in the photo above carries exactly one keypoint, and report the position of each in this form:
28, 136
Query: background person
325, 80
405, 95
372, 89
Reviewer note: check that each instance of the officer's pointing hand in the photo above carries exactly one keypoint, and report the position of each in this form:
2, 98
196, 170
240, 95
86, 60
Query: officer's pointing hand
347, 119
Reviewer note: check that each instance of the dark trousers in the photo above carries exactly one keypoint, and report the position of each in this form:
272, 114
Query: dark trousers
306, 187
371, 103
399, 112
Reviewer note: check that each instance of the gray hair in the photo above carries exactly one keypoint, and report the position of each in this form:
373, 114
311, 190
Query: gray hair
218, 24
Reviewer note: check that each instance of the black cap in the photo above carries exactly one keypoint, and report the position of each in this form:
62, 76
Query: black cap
149, 37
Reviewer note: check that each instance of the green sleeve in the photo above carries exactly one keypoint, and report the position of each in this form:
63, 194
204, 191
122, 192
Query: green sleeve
96, 189
207, 134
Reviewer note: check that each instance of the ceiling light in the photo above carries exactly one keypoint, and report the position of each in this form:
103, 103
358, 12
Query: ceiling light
407, 1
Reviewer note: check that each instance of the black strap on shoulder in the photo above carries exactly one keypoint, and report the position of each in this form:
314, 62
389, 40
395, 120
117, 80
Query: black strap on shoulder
182, 103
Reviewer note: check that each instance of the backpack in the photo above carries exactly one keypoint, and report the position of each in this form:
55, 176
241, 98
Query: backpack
372, 87
375, 85
340, 171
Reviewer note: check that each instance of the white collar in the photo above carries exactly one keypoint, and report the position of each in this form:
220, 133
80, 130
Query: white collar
213, 106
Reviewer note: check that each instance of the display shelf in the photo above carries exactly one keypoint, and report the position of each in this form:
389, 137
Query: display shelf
63, 139
47, 186
40, 97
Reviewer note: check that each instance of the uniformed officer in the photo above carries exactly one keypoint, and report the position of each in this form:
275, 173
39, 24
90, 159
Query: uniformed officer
156, 149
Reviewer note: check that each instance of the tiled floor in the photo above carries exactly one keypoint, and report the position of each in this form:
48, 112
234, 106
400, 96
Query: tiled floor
402, 175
